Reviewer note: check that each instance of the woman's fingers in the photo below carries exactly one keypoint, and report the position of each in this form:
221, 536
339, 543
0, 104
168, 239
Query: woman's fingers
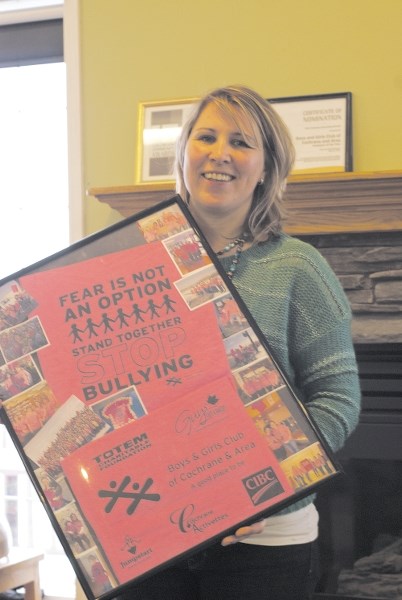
243, 532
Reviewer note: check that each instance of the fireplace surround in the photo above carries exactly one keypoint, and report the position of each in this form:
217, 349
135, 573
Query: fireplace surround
360, 516
355, 220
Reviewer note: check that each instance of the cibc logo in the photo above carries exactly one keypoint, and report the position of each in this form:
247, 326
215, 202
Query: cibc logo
262, 486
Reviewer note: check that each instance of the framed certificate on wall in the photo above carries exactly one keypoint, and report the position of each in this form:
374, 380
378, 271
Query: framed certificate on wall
145, 403
159, 126
321, 131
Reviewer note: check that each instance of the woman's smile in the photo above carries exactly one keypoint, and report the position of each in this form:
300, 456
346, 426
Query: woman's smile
212, 176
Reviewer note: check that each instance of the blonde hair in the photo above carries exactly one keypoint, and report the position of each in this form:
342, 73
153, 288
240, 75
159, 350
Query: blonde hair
266, 214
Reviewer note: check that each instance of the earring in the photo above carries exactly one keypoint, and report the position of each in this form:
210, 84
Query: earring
261, 181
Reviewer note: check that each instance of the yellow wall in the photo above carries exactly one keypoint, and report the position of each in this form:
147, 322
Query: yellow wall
141, 50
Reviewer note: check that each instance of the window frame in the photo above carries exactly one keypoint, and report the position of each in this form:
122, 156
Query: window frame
57, 39
57, 32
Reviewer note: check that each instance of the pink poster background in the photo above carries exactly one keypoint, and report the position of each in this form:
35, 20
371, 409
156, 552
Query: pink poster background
198, 465
97, 348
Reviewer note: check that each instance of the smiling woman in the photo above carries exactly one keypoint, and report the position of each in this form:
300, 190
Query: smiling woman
234, 156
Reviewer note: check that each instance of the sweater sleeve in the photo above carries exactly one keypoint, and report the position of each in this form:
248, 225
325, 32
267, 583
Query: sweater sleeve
321, 350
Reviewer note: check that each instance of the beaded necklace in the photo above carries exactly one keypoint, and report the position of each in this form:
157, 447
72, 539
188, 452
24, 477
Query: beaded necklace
238, 244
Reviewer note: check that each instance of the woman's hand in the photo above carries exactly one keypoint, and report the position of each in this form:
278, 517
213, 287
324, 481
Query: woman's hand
243, 532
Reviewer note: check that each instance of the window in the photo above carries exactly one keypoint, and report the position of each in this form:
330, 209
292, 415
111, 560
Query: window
29, 524
33, 159
36, 216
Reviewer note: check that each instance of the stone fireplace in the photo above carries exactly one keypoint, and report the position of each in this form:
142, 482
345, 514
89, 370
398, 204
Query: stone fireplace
355, 220
360, 516
369, 266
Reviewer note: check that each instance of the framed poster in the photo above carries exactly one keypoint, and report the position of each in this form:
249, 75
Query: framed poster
144, 402
321, 129
159, 126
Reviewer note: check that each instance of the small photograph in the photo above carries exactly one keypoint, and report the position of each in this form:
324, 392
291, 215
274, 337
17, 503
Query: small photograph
308, 467
74, 528
187, 252
98, 576
229, 316
18, 376
29, 411
56, 492
243, 348
73, 425
201, 287
23, 339
278, 426
120, 409
161, 225
257, 380
15, 305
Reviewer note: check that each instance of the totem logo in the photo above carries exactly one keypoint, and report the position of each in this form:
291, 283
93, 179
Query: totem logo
262, 486
124, 450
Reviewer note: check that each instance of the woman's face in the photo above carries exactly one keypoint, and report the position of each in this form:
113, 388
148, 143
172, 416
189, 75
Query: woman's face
223, 163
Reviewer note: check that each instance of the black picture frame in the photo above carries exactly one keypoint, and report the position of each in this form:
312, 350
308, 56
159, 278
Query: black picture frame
104, 435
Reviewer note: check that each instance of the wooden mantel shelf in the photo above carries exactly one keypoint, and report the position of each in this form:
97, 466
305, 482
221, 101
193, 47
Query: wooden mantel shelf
332, 203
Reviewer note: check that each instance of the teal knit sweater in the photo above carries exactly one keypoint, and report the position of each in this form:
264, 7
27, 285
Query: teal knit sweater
300, 307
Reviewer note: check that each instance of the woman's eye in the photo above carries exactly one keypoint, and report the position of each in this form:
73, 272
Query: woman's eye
206, 138
238, 142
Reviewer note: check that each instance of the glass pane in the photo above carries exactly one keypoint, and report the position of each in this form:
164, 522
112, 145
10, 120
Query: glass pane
11, 485
33, 163
34, 224
12, 518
